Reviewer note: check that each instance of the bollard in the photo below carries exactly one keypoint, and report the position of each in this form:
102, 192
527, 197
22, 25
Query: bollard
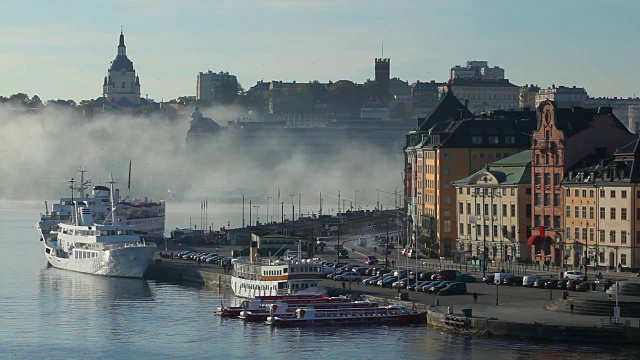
437, 302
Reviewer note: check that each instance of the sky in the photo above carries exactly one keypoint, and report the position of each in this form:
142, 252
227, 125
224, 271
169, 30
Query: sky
62, 49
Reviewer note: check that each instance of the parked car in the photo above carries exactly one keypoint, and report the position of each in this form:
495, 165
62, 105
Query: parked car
417, 286
499, 278
387, 281
436, 289
530, 280
583, 286
551, 284
571, 284
371, 280
540, 283
426, 288
360, 271
562, 284
465, 278
489, 279
336, 273
513, 281
457, 288
574, 275
382, 272
425, 276
447, 275
348, 276
370, 260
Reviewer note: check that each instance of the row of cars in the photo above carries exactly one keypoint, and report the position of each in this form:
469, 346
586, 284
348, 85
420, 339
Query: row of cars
538, 282
209, 258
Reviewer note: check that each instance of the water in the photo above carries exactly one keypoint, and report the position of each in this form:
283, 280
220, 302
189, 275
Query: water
46, 313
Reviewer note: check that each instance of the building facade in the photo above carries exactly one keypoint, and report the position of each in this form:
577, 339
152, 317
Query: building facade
212, 86
562, 96
494, 211
476, 69
563, 139
121, 85
528, 96
449, 145
486, 95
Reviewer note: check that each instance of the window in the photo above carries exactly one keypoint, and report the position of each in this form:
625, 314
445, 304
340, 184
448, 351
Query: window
612, 236
556, 200
527, 210
513, 210
638, 194
537, 159
556, 179
513, 232
584, 212
446, 169
447, 199
623, 259
476, 139
602, 238
546, 159
591, 233
556, 221
461, 208
623, 237
461, 227
568, 214
486, 209
478, 230
538, 179
494, 209
602, 213
481, 155
510, 139
504, 210
547, 199
493, 140
124, 84
468, 229
577, 212
576, 233
486, 230
584, 193
601, 193
613, 194
547, 220
613, 214
623, 214
468, 191
623, 194
591, 212
591, 193
576, 193
468, 208
446, 156
495, 230
538, 199
567, 193
547, 179
478, 209
538, 220
513, 192
584, 233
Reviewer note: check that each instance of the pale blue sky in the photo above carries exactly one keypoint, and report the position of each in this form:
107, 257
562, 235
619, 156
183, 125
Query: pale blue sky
62, 49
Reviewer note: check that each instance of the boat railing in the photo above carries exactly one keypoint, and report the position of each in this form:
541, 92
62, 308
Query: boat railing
128, 245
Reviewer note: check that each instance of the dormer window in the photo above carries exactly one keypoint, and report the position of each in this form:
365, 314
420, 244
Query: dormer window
123, 72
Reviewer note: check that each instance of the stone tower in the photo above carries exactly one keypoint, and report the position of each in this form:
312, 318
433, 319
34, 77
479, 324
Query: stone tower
121, 85
383, 72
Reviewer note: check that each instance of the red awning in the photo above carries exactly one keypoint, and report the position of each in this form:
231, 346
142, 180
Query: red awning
532, 240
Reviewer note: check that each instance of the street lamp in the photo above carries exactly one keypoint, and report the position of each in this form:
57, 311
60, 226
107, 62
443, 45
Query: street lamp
268, 197
257, 214
378, 202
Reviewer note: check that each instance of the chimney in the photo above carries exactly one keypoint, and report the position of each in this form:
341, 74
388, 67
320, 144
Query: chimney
253, 250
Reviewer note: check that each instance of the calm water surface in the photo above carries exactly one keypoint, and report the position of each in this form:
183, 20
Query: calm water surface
46, 313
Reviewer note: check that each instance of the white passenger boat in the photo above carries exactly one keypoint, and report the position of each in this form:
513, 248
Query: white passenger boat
272, 277
85, 246
147, 217
393, 314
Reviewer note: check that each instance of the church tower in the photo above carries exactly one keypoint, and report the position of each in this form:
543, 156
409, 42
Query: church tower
121, 85
383, 72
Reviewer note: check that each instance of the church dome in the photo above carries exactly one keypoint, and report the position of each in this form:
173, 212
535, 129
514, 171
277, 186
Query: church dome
121, 63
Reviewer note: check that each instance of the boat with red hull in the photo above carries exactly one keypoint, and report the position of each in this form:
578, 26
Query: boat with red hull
289, 310
262, 303
384, 315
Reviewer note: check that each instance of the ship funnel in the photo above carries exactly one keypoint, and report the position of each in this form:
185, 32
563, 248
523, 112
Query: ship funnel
85, 218
253, 251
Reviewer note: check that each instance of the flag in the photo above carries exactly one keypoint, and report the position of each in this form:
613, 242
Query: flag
541, 230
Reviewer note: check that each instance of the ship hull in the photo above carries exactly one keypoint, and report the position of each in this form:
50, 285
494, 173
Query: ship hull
128, 261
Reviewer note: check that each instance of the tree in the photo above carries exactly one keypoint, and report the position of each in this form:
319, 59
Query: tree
345, 96
61, 103
35, 102
19, 99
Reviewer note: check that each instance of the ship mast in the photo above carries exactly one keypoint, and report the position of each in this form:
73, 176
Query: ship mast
113, 207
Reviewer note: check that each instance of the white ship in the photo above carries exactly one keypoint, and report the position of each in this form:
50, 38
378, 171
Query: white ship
147, 217
85, 246
270, 277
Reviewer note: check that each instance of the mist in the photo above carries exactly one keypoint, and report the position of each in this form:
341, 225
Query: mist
42, 151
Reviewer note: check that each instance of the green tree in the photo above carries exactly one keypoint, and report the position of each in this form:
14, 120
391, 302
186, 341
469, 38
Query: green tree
61, 103
346, 97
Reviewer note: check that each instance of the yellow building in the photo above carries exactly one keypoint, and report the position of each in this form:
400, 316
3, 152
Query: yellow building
451, 144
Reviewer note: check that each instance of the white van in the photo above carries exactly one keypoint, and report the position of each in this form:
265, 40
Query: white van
499, 277
529, 280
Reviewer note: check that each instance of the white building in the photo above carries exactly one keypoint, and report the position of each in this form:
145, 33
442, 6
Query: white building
212, 86
485, 95
564, 97
476, 70
121, 85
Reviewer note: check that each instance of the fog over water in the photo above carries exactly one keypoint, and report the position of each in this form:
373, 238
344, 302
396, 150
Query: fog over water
41, 151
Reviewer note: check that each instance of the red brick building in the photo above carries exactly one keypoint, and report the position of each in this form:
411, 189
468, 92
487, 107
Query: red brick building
563, 138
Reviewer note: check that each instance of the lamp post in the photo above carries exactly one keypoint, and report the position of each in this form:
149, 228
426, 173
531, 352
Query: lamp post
378, 202
292, 210
268, 197
355, 200
257, 214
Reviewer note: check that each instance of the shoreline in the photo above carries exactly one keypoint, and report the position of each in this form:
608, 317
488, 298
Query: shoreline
508, 320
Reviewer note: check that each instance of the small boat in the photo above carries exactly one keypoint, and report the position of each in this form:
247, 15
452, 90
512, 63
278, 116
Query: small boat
384, 315
262, 302
289, 310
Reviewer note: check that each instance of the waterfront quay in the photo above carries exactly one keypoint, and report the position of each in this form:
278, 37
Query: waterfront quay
500, 310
